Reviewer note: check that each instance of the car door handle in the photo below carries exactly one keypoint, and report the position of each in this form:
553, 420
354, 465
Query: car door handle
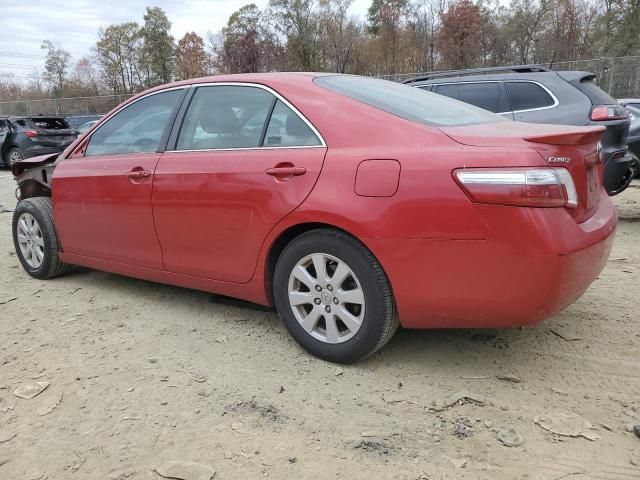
137, 174
286, 171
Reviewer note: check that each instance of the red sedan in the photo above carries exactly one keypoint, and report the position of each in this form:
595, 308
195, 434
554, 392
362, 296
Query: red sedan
351, 204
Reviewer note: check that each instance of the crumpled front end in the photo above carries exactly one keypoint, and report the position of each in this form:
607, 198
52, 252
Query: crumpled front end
33, 176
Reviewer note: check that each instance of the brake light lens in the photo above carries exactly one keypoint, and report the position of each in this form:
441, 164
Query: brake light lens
31, 133
608, 112
535, 187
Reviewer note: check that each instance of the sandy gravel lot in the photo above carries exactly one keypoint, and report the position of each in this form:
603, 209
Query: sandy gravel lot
141, 373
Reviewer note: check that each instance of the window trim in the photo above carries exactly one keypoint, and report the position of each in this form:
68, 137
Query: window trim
277, 96
556, 102
82, 145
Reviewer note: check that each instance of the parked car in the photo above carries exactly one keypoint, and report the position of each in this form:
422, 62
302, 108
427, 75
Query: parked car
630, 102
632, 106
352, 204
76, 120
84, 128
633, 141
532, 93
24, 137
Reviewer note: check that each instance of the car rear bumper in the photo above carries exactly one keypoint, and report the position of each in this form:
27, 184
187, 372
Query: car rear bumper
37, 150
536, 263
617, 173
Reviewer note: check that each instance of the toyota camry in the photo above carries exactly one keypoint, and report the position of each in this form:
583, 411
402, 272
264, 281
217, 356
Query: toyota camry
351, 204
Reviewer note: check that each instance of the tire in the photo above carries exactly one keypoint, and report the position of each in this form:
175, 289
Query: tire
33, 221
366, 284
14, 155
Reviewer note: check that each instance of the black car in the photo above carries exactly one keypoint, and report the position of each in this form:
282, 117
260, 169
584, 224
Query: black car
633, 139
25, 137
533, 93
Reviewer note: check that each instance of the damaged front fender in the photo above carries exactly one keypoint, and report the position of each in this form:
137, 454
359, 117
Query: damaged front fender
33, 176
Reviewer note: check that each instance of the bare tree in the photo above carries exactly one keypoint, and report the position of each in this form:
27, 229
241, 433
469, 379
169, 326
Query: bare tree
56, 64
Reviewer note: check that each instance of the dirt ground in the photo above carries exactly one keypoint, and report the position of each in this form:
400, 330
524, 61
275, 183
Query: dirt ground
142, 373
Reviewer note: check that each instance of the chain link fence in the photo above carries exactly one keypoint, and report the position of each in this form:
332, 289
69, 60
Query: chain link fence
63, 106
618, 76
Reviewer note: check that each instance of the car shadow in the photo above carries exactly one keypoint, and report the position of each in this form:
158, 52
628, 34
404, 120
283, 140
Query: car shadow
480, 349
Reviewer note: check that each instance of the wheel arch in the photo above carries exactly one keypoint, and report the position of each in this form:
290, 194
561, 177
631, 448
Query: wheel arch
290, 233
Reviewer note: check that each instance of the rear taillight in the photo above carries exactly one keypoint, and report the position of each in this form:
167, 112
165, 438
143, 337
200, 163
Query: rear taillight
533, 187
608, 112
31, 133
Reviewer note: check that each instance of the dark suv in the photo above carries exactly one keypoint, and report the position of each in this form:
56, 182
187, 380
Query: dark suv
532, 93
24, 137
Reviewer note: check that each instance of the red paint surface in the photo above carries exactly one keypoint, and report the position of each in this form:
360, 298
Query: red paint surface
208, 220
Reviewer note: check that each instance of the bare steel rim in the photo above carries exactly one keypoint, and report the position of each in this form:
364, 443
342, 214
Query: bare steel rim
30, 240
326, 298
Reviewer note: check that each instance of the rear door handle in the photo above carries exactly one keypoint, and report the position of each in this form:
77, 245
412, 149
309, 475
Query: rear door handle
286, 171
137, 174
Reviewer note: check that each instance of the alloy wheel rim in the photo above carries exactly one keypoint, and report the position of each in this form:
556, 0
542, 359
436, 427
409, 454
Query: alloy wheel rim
326, 298
30, 240
15, 157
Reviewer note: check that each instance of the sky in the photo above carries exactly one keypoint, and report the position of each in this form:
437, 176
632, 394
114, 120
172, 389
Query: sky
74, 24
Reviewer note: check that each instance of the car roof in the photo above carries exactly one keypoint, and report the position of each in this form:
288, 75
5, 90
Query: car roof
262, 78
267, 79
462, 77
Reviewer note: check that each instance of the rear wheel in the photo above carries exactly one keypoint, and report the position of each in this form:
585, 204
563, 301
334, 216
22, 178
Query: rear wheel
14, 155
35, 238
333, 296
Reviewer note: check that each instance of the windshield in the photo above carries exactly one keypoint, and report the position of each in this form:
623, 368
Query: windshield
410, 103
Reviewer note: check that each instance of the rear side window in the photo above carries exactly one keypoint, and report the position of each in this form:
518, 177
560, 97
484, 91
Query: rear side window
527, 95
410, 103
597, 96
487, 95
138, 127
49, 123
225, 117
287, 129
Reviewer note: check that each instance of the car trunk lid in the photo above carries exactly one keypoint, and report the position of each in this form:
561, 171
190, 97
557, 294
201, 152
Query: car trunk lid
572, 148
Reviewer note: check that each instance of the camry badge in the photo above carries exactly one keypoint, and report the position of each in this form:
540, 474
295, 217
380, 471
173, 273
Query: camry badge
559, 159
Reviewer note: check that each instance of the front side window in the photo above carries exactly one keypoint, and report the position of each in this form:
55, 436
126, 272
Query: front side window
487, 95
137, 128
413, 104
225, 116
527, 95
287, 129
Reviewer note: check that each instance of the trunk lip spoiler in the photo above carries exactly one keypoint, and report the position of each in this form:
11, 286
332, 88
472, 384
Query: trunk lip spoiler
578, 136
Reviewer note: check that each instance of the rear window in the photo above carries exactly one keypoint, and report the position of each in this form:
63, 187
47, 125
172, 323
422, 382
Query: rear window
406, 102
528, 95
597, 96
487, 95
49, 123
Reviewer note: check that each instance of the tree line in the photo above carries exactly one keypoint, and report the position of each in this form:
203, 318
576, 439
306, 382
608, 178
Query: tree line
396, 36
